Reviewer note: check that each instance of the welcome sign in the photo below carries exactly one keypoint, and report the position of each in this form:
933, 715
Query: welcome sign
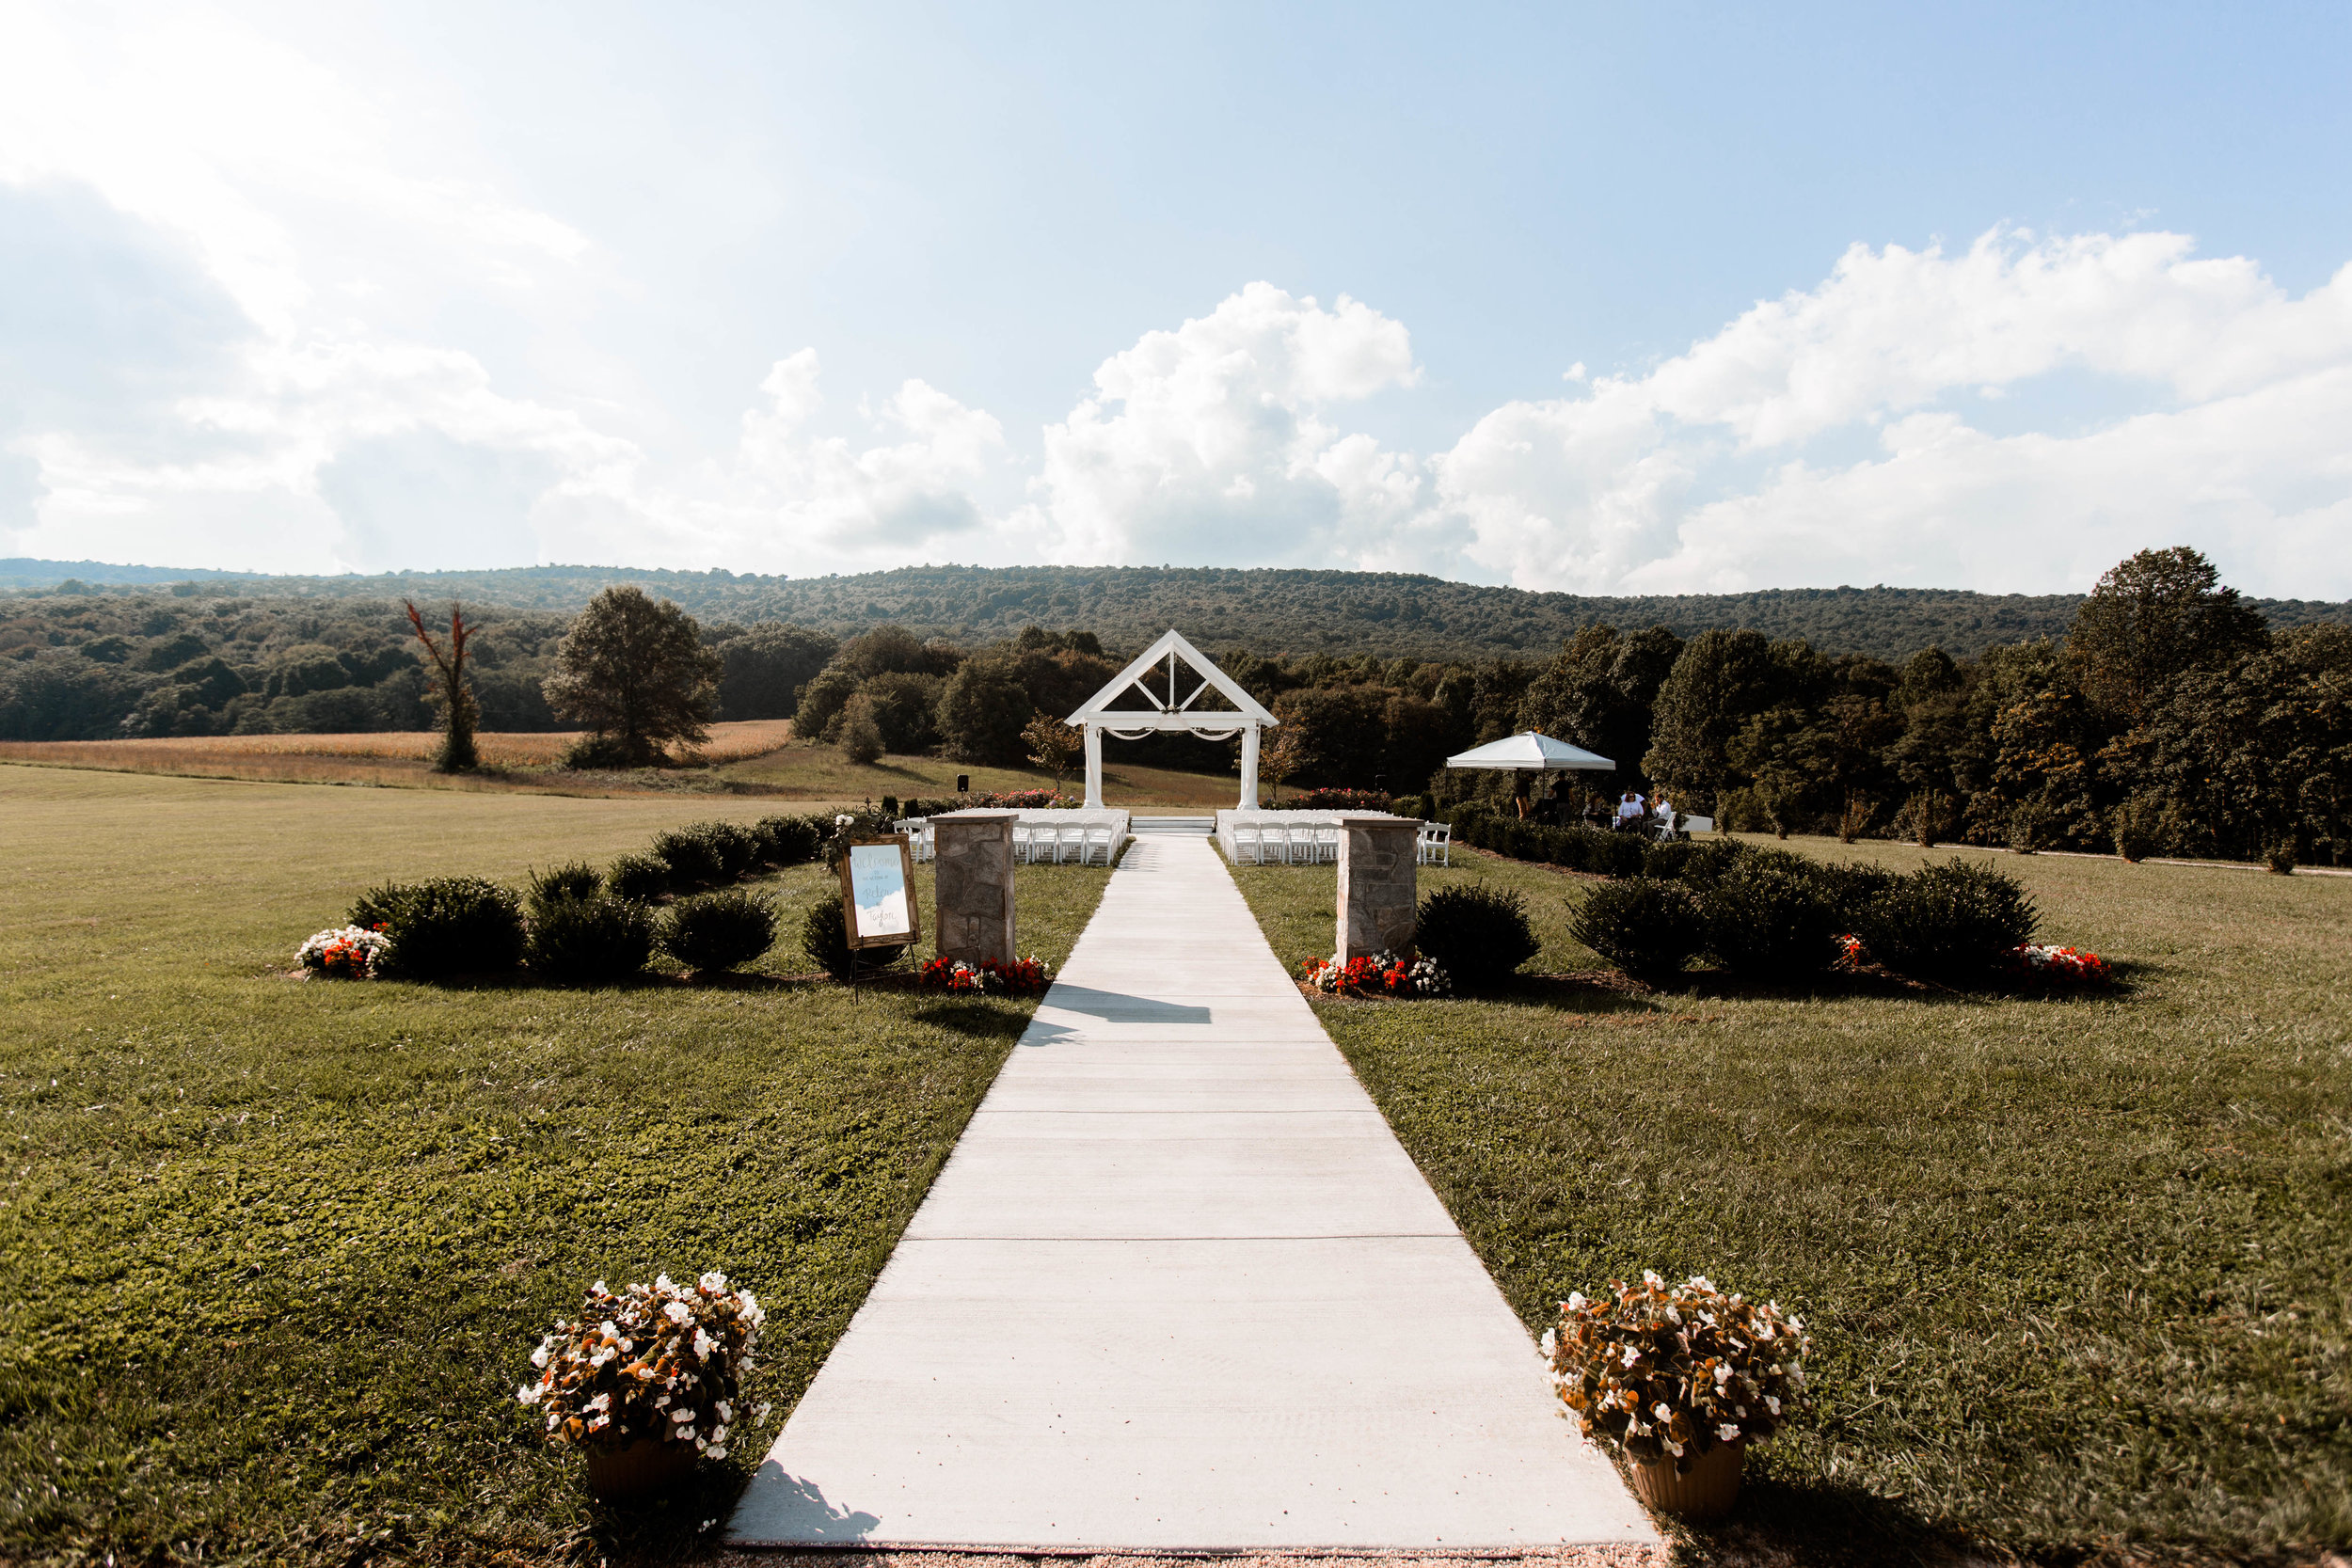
878, 894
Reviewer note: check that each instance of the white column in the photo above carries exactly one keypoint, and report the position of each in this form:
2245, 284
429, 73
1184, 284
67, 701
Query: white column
1250, 768
1094, 766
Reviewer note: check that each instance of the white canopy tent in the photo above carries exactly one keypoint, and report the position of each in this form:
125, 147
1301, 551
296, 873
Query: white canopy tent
1529, 752
1246, 717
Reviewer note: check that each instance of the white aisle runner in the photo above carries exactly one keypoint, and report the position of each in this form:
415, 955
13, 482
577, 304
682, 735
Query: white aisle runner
1180, 1287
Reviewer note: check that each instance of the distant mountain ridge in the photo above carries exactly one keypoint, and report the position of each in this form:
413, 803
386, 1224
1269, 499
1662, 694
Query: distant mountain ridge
1267, 609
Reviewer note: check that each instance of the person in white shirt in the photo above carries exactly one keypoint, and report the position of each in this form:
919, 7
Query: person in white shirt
1630, 810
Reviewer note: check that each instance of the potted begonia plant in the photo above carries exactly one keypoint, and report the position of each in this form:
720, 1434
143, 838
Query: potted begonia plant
1682, 1378
645, 1381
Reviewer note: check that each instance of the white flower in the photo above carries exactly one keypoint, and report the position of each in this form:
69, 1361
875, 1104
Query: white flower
602, 1402
1575, 1302
1550, 1343
1723, 1373
1771, 1402
718, 1452
684, 1435
1660, 1411
661, 1283
539, 1356
529, 1393
762, 1413
608, 1330
843, 820
1650, 1277
1700, 1282
1674, 1448
704, 1343
727, 1411
1726, 1432
678, 1312
1796, 1378
1632, 1355
599, 1289
714, 1284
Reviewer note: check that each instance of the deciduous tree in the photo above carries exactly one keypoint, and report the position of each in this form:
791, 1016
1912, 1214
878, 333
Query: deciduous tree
635, 671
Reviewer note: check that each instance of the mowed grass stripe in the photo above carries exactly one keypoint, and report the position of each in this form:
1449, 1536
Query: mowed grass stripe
274, 1253
2077, 1269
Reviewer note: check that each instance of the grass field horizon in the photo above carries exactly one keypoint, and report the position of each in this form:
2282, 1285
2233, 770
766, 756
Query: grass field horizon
752, 758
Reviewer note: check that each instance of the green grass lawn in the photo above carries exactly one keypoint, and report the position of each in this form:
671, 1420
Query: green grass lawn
2077, 1270
273, 1254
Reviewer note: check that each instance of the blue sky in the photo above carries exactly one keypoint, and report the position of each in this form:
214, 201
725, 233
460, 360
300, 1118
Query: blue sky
1600, 298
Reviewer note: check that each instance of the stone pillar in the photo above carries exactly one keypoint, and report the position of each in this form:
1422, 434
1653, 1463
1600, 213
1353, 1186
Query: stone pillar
973, 913
1095, 767
1248, 767
1378, 895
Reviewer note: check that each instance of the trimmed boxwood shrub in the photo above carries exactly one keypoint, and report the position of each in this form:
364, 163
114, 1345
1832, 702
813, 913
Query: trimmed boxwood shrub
596, 940
715, 931
640, 879
787, 840
1771, 915
1952, 922
737, 848
1645, 926
691, 857
826, 941
573, 879
1477, 934
447, 925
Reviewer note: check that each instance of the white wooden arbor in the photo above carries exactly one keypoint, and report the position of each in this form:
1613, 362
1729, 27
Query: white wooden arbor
1096, 717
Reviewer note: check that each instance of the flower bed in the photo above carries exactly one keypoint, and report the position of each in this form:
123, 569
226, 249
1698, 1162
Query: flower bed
346, 953
660, 1362
2059, 966
1382, 975
1021, 977
1670, 1374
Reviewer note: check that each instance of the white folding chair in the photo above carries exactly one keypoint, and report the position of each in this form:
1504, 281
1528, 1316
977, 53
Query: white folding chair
1298, 846
1438, 843
1098, 844
1248, 848
1021, 843
1327, 844
928, 849
1067, 839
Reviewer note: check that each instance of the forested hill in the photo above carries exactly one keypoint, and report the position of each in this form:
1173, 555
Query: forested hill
1266, 611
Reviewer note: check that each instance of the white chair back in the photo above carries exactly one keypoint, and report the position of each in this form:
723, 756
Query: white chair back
1021, 841
1327, 844
1073, 841
1098, 844
1248, 847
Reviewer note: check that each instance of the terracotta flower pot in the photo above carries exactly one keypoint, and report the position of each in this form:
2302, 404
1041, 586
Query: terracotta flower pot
1704, 1492
639, 1467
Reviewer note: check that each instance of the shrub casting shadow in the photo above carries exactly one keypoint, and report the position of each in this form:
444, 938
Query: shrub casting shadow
975, 1019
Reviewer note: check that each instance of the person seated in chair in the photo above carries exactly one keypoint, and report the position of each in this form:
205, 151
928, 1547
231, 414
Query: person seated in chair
1630, 812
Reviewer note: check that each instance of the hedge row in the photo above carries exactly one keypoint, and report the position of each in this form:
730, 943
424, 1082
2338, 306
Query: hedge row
578, 925
1771, 915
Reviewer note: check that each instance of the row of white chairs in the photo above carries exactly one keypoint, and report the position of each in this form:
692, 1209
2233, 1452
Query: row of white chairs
919, 834
1310, 843
1058, 842
1031, 842
1302, 843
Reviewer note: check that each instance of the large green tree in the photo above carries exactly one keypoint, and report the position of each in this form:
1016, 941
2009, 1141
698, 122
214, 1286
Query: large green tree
634, 670
1721, 681
983, 711
1598, 694
2155, 615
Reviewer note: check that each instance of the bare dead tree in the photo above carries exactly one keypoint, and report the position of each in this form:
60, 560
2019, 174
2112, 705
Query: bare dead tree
452, 693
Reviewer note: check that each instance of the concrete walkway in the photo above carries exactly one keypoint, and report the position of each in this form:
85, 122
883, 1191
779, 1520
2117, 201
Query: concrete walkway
1179, 1287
